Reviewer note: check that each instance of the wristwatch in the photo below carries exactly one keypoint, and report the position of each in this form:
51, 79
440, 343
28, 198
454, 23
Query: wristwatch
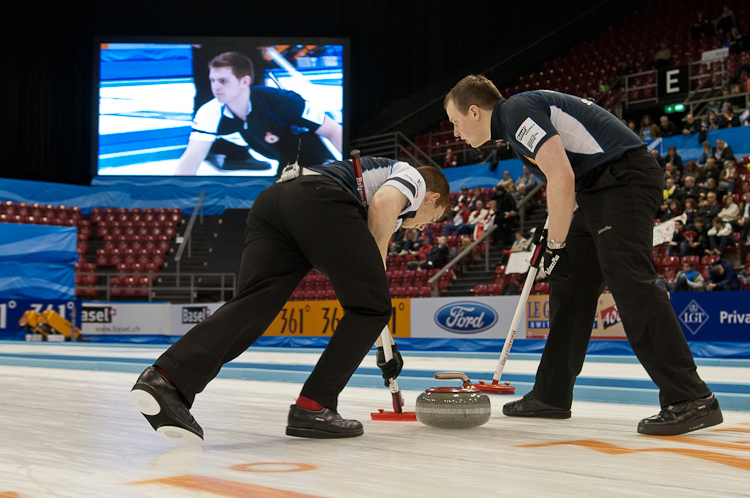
552, 244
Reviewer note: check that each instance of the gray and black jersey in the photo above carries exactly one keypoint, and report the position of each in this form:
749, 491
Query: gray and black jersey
377, 172
591, 135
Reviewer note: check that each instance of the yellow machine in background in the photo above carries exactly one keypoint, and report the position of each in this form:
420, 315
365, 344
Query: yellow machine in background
48, 323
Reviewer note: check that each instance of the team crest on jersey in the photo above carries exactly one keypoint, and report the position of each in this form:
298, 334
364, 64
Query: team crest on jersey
271, 138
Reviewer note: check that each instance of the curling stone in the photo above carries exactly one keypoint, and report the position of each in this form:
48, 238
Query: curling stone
453, 407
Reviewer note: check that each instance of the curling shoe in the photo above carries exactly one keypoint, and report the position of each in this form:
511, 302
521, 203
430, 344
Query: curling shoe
683, 417
320, 424
529, 406
165, 408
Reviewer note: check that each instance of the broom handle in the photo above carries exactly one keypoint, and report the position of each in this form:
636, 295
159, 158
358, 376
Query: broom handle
530, 277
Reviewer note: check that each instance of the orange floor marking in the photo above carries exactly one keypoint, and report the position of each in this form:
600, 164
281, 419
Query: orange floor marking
221, 487
735, 429
611, 449
9, 494
249, 467
701, 442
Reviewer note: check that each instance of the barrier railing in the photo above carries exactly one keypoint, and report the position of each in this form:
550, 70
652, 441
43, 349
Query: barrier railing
186, 239
396, 146
434, 280
186, 285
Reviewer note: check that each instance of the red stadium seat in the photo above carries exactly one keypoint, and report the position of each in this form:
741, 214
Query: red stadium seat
479, 290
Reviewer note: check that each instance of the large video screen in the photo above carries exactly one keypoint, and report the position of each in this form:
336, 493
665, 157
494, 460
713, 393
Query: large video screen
219, 106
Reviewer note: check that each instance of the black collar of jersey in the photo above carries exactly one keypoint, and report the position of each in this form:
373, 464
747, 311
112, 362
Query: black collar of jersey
496, 123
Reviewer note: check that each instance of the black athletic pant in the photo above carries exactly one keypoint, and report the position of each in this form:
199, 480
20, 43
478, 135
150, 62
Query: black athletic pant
308, 222
610, 243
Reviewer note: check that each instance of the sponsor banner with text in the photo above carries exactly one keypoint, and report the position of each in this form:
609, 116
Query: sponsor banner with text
183, 317
11, 310
607, 322
125, 319
320, 319
486, 317
713, 316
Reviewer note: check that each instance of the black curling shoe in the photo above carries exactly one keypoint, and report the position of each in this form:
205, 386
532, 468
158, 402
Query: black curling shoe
683, 417
529, 406
320, 424
165, 408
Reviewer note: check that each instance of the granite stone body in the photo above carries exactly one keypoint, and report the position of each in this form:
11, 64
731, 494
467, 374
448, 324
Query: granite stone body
457, 409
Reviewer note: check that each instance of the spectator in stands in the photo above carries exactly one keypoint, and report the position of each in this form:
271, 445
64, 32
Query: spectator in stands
480, 215
692, 169
712, 121
456, 250
701, 27
674, 209
737, 41
396, 242
678, 244
520, 244
667, 128
506, 181
705, 154
688, 280
459, 221
712, 187
437, 257
517, 193
691, 125
450, 160
725, 21
728, 119
712, 171
661, 57
690, 211
689, 190
648, 130
476, 156
699, 244
720, 236
672, 173
728, 176
411, 242
659, 159
669, 191
631, 124
425, 248
506, 215
674, 158
527, 179
709, 208
722, 152
463, 197
730, 213
722, 277
475, 197
743, 223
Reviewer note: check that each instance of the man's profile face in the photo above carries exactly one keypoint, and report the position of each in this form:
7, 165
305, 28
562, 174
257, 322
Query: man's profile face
224, 84
468, 127
428, 212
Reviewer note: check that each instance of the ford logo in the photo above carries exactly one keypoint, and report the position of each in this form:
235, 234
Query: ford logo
465, 317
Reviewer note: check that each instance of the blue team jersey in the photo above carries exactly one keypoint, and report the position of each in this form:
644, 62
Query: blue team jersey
591, 135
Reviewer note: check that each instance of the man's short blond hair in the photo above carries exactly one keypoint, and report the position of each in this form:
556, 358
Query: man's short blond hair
476, 90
